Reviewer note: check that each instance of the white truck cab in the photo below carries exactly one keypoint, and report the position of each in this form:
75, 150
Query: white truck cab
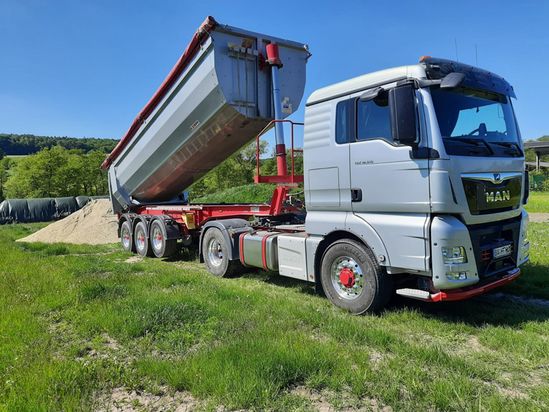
423, 167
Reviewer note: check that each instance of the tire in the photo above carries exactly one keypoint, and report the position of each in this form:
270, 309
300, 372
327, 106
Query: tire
141, 240
160, 245
126, 237
352, 278
216, 252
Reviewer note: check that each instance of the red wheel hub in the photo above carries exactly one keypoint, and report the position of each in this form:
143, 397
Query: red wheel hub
347, 277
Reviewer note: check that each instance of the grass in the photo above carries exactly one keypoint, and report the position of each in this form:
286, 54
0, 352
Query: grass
79, 321
538, 202
252, 193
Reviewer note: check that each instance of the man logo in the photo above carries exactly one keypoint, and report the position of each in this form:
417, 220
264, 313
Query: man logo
498, 196
497, 178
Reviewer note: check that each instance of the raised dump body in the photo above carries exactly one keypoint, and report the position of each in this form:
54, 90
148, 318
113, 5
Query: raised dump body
215, 100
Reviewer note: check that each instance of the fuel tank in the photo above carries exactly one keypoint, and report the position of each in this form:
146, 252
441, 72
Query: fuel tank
216, 99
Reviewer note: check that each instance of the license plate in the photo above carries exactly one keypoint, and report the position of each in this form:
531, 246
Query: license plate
502, 251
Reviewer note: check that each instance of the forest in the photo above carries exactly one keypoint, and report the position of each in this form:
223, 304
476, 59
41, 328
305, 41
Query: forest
26, 144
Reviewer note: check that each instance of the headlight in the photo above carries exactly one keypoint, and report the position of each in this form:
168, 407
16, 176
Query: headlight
456, 275
454, 255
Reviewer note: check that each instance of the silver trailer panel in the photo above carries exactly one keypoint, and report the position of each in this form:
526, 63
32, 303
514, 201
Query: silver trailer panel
219, 102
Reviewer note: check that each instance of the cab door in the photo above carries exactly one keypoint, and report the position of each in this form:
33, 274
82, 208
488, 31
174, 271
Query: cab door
389, 179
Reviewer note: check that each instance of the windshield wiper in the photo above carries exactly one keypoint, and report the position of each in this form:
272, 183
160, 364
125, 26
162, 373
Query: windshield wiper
471, 141
509, 145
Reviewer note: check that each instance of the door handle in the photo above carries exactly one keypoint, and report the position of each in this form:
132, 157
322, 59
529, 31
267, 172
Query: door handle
356, 195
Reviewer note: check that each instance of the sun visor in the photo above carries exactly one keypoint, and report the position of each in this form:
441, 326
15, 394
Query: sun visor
473, 77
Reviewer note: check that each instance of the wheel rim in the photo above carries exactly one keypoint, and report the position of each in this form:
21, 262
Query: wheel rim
215, 253
347, 277
140, 239
126, 238
157, 238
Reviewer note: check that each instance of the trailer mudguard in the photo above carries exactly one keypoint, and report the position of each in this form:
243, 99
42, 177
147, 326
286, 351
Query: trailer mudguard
230, 228
172, 229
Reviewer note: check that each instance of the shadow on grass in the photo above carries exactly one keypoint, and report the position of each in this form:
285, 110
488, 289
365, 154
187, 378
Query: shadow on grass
493, 308
275, 279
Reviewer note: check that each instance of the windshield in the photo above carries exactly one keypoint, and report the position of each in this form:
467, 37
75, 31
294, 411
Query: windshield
476, 123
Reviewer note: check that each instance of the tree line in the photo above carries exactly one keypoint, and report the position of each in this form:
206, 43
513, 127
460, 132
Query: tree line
25, 144
53, 172
57, 172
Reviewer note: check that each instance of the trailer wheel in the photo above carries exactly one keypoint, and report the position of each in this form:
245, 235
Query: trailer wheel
126, 237
141, 240
215, 251
352, 278
160, 244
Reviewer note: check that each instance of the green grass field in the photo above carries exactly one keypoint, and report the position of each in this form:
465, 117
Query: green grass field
251, 193
78, 322
538, 202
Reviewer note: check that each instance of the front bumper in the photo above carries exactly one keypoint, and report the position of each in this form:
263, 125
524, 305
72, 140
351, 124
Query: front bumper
462, 293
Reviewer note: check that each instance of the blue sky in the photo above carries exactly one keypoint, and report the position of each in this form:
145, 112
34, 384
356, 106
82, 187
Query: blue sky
85, 68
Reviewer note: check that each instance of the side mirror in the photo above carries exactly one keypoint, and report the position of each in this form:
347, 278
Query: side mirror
404, 118
452, 80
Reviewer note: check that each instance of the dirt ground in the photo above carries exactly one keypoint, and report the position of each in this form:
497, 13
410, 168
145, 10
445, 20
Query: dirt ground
539, 217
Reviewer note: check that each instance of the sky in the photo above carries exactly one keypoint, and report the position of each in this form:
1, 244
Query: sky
85, 68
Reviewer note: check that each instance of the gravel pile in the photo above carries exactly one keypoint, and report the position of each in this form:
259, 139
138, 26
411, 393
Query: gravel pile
94, 224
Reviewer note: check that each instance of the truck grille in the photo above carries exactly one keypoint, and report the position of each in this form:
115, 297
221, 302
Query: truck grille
484, 196
488, 236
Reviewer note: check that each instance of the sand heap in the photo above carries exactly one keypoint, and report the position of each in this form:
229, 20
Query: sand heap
94, 224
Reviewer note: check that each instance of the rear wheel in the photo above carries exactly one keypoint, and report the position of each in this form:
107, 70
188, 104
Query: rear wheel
126, 238
160, 244
141, 240
216, 252
352, 278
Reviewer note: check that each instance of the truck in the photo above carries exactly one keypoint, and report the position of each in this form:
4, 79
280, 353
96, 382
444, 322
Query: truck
414, 177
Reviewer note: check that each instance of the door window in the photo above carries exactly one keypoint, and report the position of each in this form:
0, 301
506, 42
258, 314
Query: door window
344, 121
374, 119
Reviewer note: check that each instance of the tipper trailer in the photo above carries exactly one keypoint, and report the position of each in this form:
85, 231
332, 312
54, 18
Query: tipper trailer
414, 177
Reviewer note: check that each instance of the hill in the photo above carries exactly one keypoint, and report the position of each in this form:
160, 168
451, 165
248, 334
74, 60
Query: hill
25, 144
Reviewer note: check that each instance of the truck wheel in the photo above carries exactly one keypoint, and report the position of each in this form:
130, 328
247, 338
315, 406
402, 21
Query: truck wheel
141, 240
215, 251
352, 278
160, 244
126, 238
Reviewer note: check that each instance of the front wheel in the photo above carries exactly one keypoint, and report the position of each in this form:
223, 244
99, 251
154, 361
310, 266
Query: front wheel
353, 279
216, 252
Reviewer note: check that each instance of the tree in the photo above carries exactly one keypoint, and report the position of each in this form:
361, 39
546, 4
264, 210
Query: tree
5, 165
269, 167
57, 172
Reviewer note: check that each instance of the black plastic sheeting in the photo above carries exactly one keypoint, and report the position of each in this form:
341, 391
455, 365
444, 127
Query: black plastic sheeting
41, 210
